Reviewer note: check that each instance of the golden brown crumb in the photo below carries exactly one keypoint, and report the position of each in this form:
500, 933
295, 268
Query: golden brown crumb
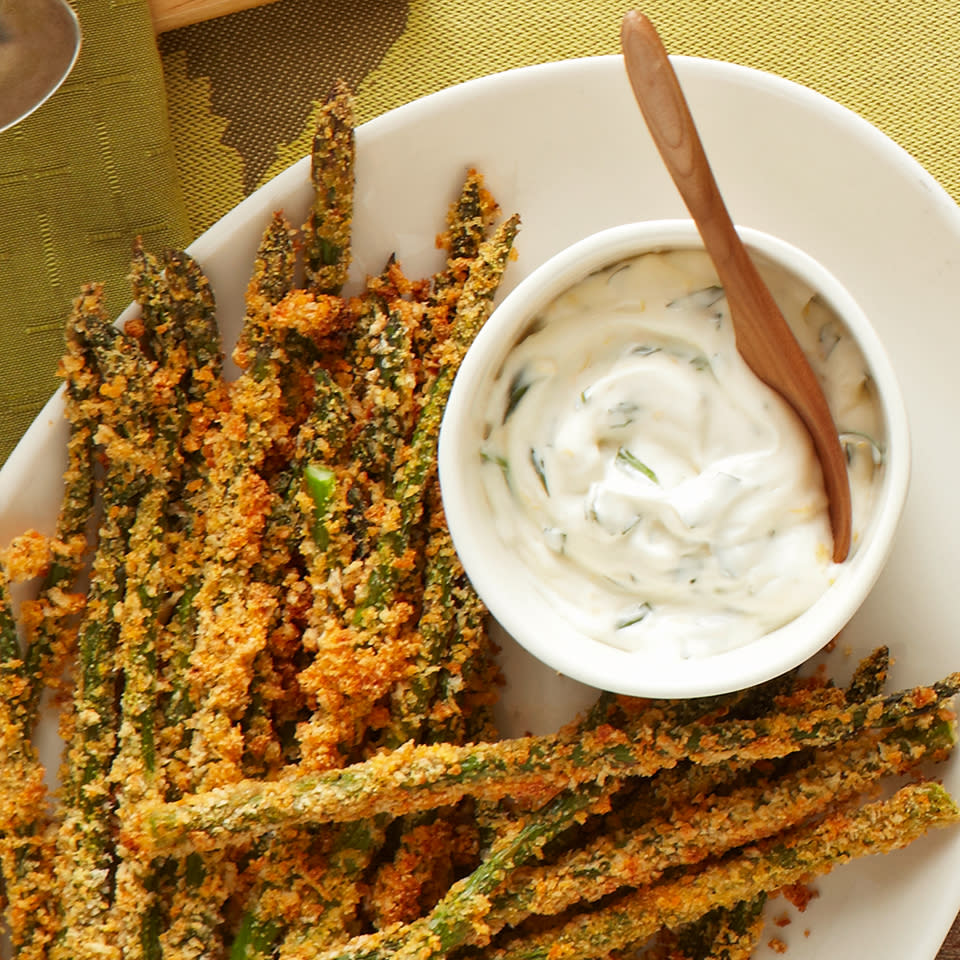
28, 556
800, 895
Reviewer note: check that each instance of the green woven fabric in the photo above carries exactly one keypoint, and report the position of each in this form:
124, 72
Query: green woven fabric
79, 178
241, 88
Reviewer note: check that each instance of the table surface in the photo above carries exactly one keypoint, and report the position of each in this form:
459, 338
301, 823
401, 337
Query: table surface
229, 103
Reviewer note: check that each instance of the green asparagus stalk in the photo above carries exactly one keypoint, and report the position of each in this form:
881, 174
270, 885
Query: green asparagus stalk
12, 665
254, 938
146, 575
425, 777
327, 230
469, 676
412, 699
162, 335
692, 831
226, 615
473, 307
45, 617
85, 850
273, 278
191, 299
27, 843
175, 307
722, 934
191, 302
321, 445
498, 894
28, 839
787, 858
467, 224
869, 678
135, 769
388, 395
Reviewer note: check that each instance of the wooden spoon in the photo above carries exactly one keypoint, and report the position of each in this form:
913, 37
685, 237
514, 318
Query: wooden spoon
763, 337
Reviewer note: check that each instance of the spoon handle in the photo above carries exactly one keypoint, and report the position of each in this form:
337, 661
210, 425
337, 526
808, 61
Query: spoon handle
763, 337
672, 128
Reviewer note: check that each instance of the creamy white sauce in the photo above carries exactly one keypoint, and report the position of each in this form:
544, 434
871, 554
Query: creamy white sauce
670, 500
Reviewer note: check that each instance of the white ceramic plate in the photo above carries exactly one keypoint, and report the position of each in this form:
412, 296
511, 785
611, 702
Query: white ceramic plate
564, 145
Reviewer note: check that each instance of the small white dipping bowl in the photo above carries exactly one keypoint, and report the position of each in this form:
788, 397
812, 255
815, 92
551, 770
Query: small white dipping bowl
508, 585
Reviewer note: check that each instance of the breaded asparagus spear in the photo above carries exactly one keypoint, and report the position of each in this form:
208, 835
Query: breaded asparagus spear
146, 586
204, 395
161, 337
86, 856
690, 832
28, 844
417, 778
27, 839
327, 230
785, 859
473, 307
44, 618
176, 310
468, 221
869, 678
498, 894
412, 698
722, 934
229, 612
377, 642
442, 699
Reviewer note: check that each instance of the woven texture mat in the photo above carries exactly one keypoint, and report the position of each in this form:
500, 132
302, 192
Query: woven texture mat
894, 63
78, 178
161, 139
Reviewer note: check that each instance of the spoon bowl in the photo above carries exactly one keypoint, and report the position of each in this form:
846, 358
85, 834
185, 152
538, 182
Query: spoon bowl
39, 44
763, 337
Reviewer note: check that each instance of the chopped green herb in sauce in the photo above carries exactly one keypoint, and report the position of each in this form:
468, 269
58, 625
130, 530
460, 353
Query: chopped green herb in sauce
626, 458
636, 615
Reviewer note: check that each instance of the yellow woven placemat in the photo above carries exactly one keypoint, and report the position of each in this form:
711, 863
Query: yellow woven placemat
100, 162
78, 179
892, 62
